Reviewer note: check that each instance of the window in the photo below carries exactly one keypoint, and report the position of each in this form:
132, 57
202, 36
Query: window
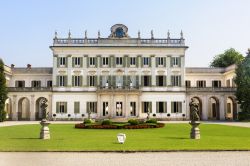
92, 61
146, 80
77, 61
105, 61
160, 61
216, 84
229, 108
77, 80
76, 107
62, 61
92, 106
146, 61
20, 84
176, 107
233, 82
132, 61
160, 80
201, 84
62, 80
61, 107
105, 108
92, 80
161, 107
133, 108
188, 83
49, 84
175, 62
146, 106
228, 82
118, 61
35, 84
176, 80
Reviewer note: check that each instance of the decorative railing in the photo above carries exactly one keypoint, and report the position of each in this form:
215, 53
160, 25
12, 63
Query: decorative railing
118, 88
110, 41
29, 89
211, 89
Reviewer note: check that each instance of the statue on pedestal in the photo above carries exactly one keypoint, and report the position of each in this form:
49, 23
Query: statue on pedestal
194, 117
44, 133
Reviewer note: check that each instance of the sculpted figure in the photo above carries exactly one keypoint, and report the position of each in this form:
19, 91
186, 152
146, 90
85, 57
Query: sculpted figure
194, 110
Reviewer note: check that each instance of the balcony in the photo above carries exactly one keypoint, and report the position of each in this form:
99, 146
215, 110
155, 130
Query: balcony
118, 88
29, 89
211, 89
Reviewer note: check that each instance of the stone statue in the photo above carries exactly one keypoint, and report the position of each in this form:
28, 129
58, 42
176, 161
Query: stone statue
89, 113
194, 110
44, 105
148, 114
152, 34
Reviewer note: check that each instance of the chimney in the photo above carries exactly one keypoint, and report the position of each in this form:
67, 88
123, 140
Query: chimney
28, 66
12, 66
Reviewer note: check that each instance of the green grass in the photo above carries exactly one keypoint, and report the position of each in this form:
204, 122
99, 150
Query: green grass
65, 137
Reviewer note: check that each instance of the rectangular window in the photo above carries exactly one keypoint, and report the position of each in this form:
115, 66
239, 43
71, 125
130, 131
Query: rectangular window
146, 106
175, 62
92, 106
133, 108
201, 84
176, 80
49, 84
161, 107
105, 108
62, 61
146, 80
188, 83
233, 82
77, 61
176, 107
118, 61
35, 84
20, 84
76, 80
62, 80
105, 61
76, 107
216, 84
92, 61
160, 61
92, 81
61, 107
145, 61
132, 61
228, 82
160, 80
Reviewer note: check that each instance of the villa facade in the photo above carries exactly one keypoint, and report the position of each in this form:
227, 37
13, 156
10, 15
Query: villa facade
120, 77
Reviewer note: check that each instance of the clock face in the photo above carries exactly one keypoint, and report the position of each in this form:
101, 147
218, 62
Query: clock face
119, 32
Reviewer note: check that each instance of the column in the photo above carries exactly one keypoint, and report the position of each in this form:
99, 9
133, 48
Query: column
32, 108
222, 107
98, 69
139, 66
14, 108
204, 107
54, 69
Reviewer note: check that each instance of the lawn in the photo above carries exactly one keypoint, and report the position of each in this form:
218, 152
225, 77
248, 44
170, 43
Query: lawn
64, 137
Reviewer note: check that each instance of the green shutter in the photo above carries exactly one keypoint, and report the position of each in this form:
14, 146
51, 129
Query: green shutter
172, 80
128, 80
164, 61
114, 61
95, 80
109, 80
164, 80
141, 61
87, 107
137, 80
87, 62
137, 61
124, 61
179, 81
113, 81
150, 107
128, 61
81, 61
124, 81
73, 61
66, 107
172, 107
149, 61
58, 61
73, 81
66, 64
88, 80
179, 61
150, 80
76, 107
57, 107
100, 59
110, 61
157, 80
142, 80
81, 80
96, 64
157, 61
66, 80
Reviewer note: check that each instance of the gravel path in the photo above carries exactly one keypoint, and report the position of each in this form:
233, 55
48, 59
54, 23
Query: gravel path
120, 159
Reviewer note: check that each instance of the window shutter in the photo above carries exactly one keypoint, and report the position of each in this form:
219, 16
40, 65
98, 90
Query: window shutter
109, 80
128, 80
87, 62
142, 80
73, 80
172, 81
137, 81
87, 107
164, 61
124, 81
76, 107
124, 61
172, 107
81, 61
88, 80
66, 63
157, 61
95, 80
101, 84
157, 107
171, 61
58, 61
179, 61
179, 80
149, 61
150, 80
113, 81
57, 107
96, 64
164, 81
110, 61
150, 107
73, 61
114, 61
157, 80
165, 107
66, 107
80, 80
128, 61
101, 60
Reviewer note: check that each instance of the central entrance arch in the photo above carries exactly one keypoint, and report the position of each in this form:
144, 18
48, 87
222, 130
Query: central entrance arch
214, 108
23, 109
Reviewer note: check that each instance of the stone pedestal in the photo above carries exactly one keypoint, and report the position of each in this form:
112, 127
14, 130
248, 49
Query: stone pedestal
195, 131
44, 133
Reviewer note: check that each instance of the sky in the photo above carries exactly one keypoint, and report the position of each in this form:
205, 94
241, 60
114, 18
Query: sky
27, 27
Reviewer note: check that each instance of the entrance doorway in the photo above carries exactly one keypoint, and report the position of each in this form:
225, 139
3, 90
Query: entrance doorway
118, 108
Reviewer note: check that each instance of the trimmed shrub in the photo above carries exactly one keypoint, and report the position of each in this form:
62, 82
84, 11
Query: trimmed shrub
87, 121
151, 121
133, 122
243, 116
106, 122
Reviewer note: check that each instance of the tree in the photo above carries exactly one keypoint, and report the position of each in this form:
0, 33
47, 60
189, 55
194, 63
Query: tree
229, 57
242, 81
3, 92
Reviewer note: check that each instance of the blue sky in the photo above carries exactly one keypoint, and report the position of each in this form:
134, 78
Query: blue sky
210, 27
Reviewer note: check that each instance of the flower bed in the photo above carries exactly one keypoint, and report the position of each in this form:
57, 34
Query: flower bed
113, 126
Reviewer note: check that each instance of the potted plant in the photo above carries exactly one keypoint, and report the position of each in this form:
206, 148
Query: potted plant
69, 116
54, 117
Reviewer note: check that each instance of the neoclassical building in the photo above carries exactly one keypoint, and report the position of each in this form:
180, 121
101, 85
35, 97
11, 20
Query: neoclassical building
120, 77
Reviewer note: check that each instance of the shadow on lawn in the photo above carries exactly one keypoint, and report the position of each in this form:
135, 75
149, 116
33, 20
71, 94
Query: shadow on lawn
176, 137
24, 138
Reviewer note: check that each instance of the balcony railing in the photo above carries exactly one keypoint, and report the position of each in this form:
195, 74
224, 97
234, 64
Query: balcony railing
211, 89
29, 89
118, 88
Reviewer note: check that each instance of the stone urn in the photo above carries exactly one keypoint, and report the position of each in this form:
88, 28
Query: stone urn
44, 133
195, 131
